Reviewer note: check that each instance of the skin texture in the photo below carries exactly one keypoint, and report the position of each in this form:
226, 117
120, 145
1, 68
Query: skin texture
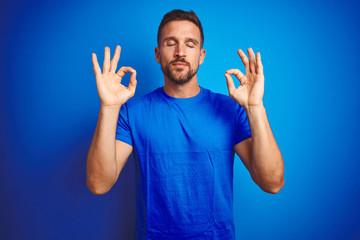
180, 40
260, 154
107, 156
112, 93
179, 58
180, 55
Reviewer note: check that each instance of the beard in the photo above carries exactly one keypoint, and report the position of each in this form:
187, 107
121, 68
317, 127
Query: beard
179, 76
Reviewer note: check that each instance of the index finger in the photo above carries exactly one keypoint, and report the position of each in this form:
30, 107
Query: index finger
124, 70
238, 74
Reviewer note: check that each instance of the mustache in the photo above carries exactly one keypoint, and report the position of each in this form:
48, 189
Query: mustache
180, 60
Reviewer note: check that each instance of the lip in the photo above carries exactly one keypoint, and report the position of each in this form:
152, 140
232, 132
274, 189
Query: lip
179, 64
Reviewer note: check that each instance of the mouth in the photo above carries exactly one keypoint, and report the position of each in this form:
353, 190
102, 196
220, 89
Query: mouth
179, 63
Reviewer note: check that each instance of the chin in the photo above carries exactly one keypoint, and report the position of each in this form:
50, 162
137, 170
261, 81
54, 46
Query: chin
179, 81
179, 76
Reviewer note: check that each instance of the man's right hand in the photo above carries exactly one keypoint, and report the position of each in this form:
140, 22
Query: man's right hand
111, 92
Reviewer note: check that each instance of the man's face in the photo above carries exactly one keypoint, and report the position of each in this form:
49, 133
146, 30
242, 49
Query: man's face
180, 53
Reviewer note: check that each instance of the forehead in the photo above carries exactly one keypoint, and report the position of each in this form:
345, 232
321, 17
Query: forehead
181, 29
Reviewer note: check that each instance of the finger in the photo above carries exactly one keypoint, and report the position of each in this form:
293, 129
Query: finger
133, 82
123, 70
230, 84
238, 74
96, 66
252, 60
106, 65
259, 66
245, 60
115, 60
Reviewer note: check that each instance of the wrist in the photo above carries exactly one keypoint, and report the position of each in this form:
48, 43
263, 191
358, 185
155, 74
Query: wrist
256, 114
109, 108
252, 108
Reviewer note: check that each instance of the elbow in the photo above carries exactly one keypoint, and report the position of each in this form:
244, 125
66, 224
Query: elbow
98, 182
275, 186
269, 184
271, 181
96, 189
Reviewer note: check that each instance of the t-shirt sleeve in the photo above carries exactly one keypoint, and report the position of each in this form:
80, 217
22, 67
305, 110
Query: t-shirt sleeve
123, 131
242, 129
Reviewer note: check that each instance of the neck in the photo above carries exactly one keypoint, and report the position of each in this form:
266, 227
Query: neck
187, 90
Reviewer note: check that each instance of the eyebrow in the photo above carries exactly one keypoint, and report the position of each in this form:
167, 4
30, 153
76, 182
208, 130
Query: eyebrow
186, 39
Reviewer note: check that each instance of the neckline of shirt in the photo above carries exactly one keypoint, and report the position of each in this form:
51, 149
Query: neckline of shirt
187, 100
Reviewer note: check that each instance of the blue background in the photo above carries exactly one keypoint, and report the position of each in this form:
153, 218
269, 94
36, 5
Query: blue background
49, 108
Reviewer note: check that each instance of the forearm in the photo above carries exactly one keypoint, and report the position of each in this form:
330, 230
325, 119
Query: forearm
267, 165
101, 161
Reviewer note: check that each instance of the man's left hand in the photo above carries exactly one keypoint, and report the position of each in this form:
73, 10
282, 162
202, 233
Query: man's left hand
251, 91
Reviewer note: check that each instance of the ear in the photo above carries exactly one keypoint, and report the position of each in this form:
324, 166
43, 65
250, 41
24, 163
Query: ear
157, 54
202, 56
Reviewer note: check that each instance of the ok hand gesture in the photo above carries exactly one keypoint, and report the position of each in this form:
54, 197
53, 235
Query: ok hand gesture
251, 91
111, 92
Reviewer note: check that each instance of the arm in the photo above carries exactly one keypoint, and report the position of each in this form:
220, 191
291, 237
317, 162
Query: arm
107, 156
260, 154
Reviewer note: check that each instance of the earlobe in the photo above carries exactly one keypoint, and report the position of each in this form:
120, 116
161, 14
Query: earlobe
157, 54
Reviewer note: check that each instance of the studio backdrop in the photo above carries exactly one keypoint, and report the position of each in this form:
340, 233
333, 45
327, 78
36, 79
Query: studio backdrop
49, 109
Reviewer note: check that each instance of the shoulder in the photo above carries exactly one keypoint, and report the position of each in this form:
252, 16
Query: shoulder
224, 103
219, 98
136, 102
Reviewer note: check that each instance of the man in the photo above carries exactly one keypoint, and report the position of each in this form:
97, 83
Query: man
183, 137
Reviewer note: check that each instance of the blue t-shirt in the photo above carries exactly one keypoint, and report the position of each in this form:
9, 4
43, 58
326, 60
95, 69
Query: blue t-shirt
184, 163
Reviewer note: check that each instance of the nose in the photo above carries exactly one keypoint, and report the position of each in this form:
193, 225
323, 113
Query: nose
180, 51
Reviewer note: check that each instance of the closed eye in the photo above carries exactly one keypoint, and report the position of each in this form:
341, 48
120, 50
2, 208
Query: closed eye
170, 42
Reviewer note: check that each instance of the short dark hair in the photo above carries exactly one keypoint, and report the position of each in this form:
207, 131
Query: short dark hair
178, 14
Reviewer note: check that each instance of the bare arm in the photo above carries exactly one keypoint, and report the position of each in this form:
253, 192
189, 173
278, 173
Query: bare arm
107, 156
260, 154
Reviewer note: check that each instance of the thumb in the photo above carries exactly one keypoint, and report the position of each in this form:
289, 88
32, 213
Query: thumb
230, 84
133, 81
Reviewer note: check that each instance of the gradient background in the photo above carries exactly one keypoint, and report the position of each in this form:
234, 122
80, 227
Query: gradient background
49, 109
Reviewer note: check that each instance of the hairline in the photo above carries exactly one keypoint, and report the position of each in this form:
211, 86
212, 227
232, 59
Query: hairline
180, 20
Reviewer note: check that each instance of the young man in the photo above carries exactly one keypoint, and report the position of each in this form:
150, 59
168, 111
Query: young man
183, 137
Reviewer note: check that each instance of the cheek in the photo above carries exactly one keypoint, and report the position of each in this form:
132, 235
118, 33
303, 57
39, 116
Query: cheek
165, 57
164, 61
196, 60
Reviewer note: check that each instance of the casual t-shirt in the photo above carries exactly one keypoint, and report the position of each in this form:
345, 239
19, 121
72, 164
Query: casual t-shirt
184, 159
